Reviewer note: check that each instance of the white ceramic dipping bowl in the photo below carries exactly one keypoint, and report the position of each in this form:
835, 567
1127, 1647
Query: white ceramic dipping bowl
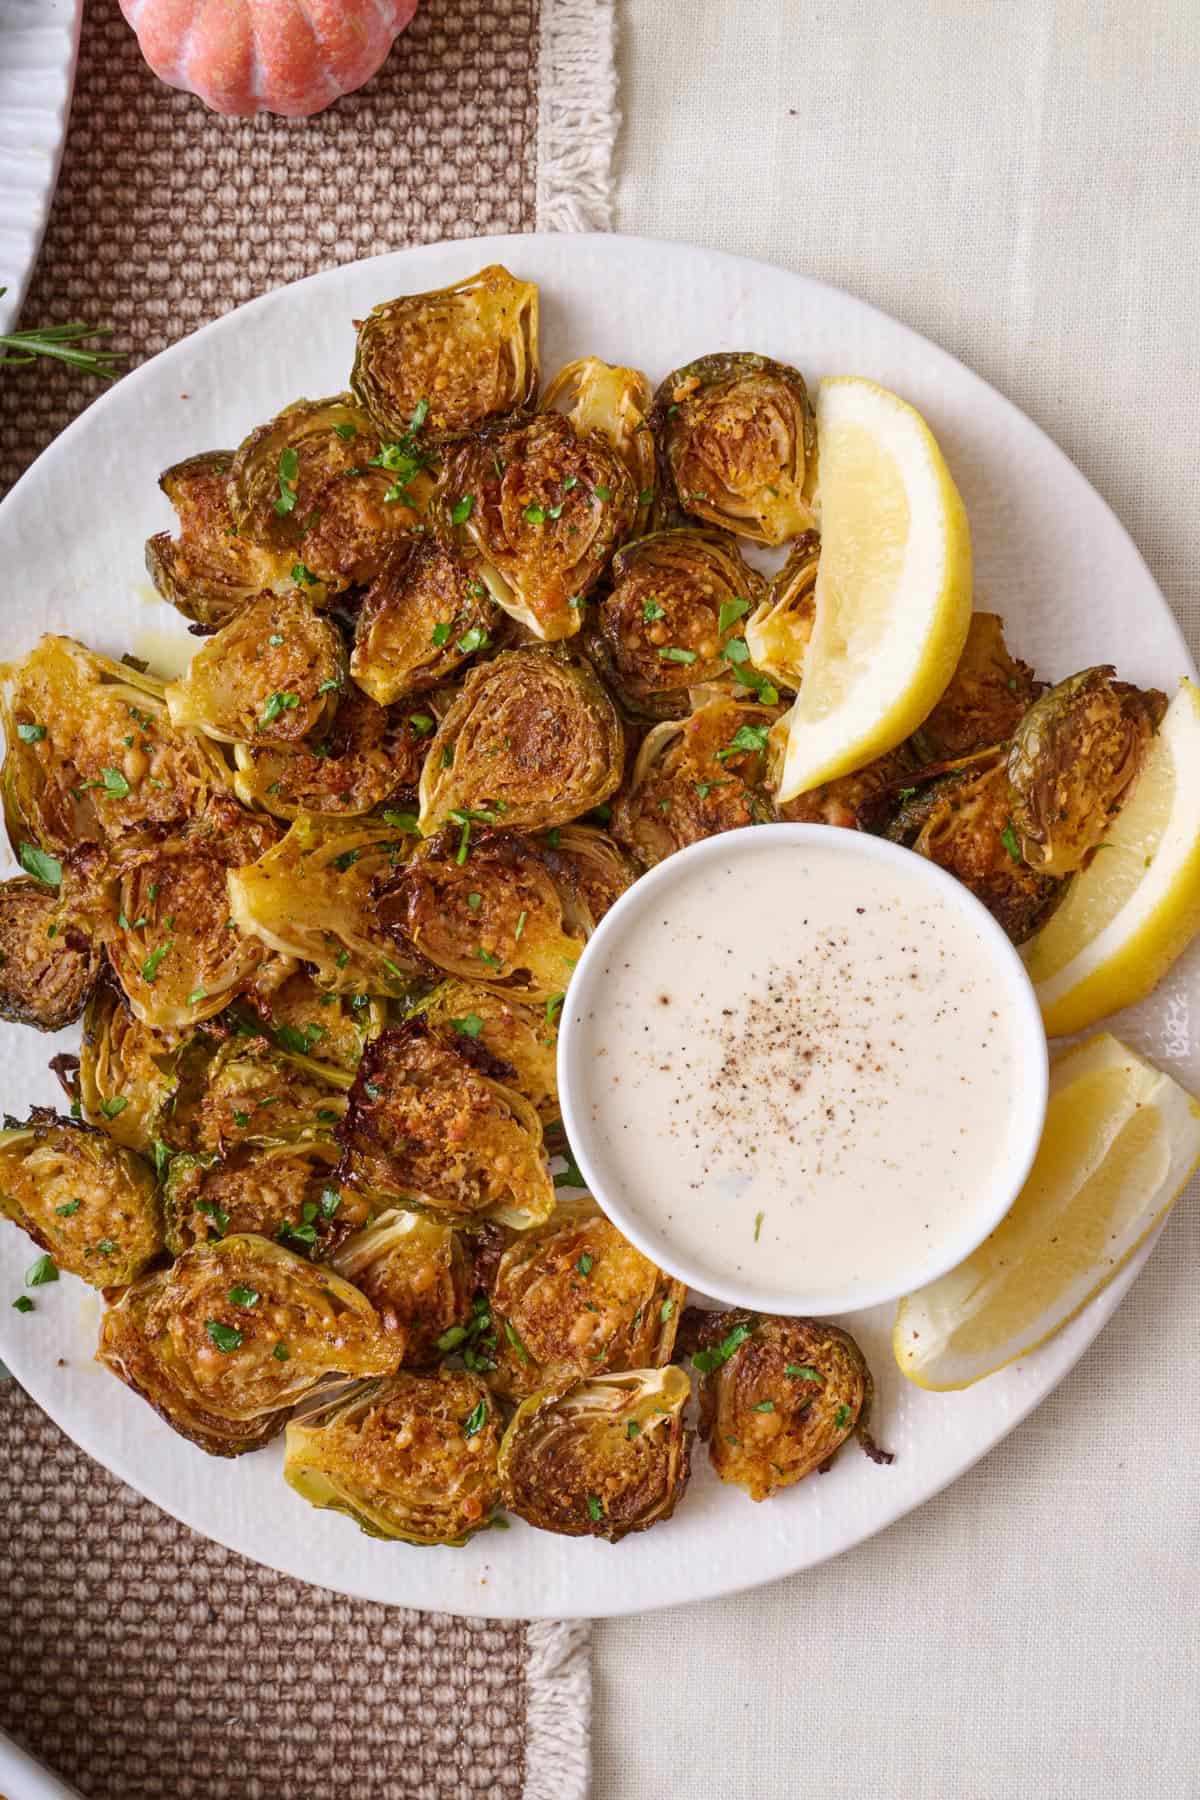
642, 1214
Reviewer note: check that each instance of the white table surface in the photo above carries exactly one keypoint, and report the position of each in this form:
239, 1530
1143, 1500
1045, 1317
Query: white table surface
1020, 180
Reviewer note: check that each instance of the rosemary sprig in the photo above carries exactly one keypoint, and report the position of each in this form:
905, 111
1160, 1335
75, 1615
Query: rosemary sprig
65, 343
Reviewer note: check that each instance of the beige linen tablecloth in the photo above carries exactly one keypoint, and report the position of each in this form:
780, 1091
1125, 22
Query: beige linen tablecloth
1019, 181
141, 1661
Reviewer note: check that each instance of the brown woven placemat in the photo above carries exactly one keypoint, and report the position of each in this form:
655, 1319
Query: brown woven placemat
167, 216
139, 1660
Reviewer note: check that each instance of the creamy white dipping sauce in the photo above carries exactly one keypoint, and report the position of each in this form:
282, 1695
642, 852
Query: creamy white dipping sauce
803, 1070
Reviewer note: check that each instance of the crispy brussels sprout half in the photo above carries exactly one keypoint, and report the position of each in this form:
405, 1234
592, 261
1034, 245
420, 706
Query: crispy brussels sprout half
615, 402
282, 1191
988, 693
544, 510
453, 358
962, 821
424, 1129
532, 740
1074, 759
412, 1458
778, 1398
493, 915
303, 1020
91, 753
505, 1040
418, 1274
602, 1458
694, 778
423, 617
312, 897
572, 1299
47, 965
370, 756
738, 445
778, 630
89, 1202
245, 1091
590, 871
210, 571
313, 485
161, 907
228, 1339
273, 675
867, 800
126, 1071
676, 604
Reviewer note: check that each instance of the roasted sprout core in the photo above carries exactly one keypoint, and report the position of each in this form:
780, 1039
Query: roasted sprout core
738, 444
601, 1458
412, 1458
47, 965
87, 1201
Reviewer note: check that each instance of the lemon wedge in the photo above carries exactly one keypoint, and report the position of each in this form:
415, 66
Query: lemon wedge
1136, 906
1121, 1140
893, 593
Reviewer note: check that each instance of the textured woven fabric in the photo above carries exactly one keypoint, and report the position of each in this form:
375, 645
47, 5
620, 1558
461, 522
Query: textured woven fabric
139, 1660
1021, 182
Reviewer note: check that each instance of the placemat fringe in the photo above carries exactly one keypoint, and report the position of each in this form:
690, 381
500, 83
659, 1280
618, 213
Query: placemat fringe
558, 1710
577, 115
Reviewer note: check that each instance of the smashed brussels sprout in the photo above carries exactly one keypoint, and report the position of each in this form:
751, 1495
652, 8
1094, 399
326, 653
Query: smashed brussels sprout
962, 821
126, 1071
281, 1191
502, 1038
778, 1397
412, 1458
695, 777
88, 1202
615, 402
1075, 757
369, 757
988, 693
543, 510
312, 897
314, 485
590, 871
419, 1275
532, 740
867, 800
424, 1129
779, 628
48, 966
161, 908
303, 1020
677, 602
572, 1298
449, 360
424, 616
91, 754
245, 1091
738, 445
600, 1458
210, 571
494, 915
228, 1339
273, 675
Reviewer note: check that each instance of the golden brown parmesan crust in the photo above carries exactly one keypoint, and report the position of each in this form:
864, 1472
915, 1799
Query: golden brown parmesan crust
416, 616
988, 693
370, 756
690, 782
208, 570
285, 1191
48, 966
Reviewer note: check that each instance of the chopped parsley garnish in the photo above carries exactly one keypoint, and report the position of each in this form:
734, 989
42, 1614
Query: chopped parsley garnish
162, 1157
522, 1354
421, 724
153, 962
520, 926
653, 609
347, 430
633, 1429
226, 1337
111, 1108
673, 653
646, 497
535, 515
68, 1209
281, 1353
462, 509
244, 1296
40, 1272
731, 611
485, 956
212, 1211
665, 1310
801, 1372
746, 737
554, 1007
758, 1224
289, 468
475, 639
31, 734
1008, 838
841, 1418
708, 1360
765, 1406
470, 1025
278, 703
585, 1264
302, 575
906, 793
42, 867
475, 1421
441, 633
601, 492
331, 1199
196, 995
595, 1509
403, 821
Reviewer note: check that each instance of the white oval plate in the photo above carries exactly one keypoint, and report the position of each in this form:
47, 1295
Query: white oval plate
39, 41
1049, 556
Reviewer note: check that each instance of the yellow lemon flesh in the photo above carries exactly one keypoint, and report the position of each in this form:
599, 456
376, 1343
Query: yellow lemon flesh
1136, 906
1120, 1142
893, 592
